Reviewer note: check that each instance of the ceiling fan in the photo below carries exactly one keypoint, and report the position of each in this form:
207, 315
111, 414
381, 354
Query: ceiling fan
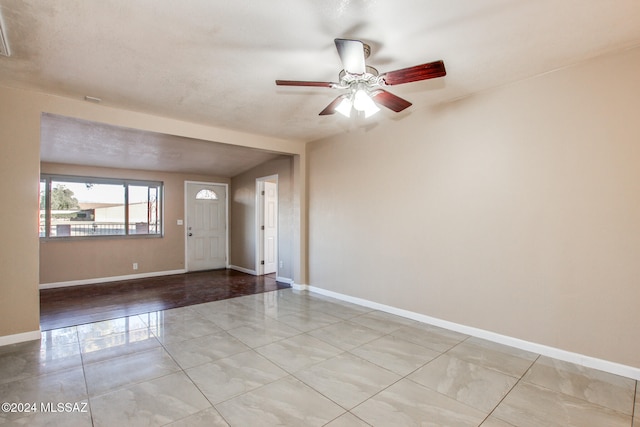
364, 83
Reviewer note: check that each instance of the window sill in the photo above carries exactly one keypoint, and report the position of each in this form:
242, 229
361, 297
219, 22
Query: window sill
110, 237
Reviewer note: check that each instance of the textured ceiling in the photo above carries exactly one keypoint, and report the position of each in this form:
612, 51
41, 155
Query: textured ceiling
74, 141
215, 61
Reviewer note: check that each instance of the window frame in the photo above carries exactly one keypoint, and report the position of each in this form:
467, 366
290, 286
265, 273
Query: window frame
49, 178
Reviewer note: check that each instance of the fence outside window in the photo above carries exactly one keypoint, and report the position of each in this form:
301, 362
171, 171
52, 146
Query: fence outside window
73, 206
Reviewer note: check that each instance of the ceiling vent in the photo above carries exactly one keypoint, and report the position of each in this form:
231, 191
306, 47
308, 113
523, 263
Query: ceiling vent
4, 47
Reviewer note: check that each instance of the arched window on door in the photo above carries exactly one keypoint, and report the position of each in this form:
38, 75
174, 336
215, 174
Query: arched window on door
206, 194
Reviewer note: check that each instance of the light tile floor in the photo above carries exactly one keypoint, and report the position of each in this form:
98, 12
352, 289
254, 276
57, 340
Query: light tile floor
296, 359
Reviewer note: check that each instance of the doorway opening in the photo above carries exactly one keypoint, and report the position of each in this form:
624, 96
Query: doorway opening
267, 225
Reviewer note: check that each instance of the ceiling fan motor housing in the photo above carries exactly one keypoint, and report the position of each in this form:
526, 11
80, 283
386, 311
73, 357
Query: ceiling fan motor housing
370, 77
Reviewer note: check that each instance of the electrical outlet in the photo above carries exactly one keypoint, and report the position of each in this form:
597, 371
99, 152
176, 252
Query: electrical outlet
135, 265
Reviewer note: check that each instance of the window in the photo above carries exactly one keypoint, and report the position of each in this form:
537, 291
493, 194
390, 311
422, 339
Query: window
206, 194
73, 206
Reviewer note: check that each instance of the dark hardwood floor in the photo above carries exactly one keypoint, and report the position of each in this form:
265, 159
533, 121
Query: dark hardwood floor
76, 305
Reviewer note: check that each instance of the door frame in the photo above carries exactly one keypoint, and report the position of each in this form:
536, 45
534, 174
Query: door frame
226, 220
259, 219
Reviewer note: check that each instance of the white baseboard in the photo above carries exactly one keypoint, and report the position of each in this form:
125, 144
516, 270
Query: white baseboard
17, 338
243, 270
556, 353
110, 279
300, 287
285, 280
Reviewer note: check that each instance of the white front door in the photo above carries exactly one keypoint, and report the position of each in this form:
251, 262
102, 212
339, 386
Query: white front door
270, 227
206, 226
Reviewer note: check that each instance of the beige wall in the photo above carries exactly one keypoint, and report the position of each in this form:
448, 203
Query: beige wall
19, 182
62, 261
516, 211
243, 211
20, 113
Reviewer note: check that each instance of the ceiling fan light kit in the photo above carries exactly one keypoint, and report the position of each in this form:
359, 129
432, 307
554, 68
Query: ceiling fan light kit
364, 84
344, 107
362, 102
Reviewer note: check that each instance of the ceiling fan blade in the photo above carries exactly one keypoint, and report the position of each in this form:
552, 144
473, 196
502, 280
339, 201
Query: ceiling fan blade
352, 55
304, 83
390, 100
331, 108
427, 71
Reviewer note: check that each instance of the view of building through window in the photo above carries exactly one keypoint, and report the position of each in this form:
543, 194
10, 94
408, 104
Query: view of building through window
91, 207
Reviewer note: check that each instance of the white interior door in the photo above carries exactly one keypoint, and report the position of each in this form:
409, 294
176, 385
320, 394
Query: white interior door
206, 226
270, 227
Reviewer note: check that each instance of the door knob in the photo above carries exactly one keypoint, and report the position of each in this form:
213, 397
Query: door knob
190, 234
